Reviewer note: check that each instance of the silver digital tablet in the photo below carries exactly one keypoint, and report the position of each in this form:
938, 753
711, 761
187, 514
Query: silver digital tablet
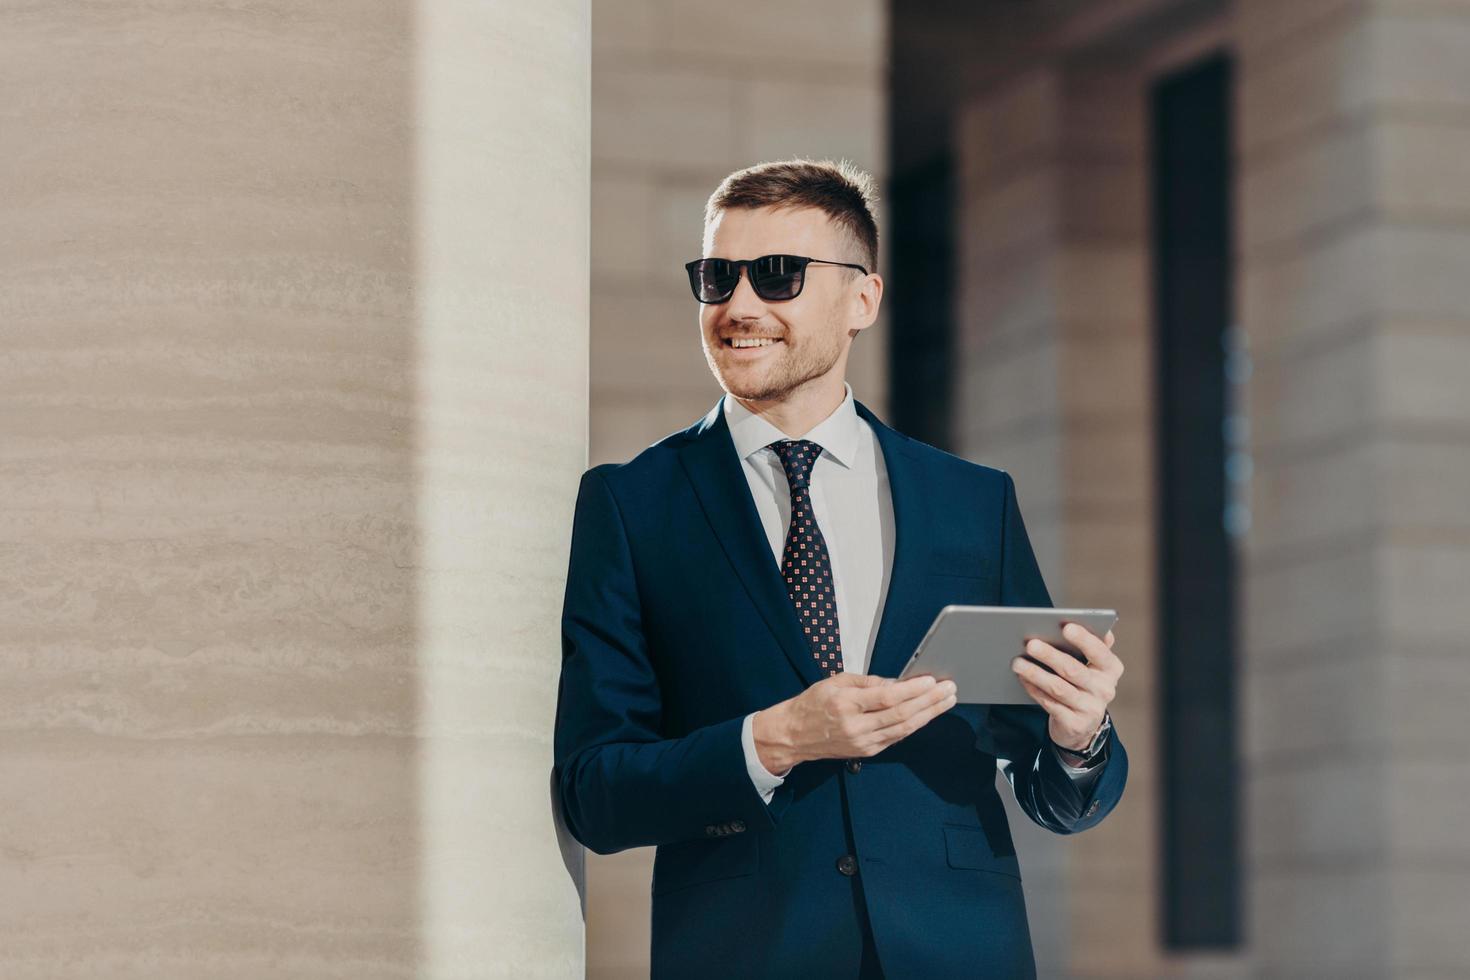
974, 647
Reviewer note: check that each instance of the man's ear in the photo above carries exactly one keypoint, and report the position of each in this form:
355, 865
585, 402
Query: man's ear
866, 300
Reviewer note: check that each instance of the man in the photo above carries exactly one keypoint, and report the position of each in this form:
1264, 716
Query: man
741, 596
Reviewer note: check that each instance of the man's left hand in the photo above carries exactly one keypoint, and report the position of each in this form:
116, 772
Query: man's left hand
1076, 697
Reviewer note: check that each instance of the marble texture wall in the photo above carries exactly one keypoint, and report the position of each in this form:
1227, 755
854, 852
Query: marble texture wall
293, 367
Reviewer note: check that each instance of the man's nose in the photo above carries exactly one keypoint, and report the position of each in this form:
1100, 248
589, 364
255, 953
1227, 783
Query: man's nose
744, 303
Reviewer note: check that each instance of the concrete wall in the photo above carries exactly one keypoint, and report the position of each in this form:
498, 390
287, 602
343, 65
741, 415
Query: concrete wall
293, 362
1355, 240
684, 94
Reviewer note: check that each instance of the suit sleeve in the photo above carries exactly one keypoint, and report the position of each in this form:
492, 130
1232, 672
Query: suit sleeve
621, 784
1017, 733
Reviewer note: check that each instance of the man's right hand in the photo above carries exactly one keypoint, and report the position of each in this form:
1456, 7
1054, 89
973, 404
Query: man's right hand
846, 716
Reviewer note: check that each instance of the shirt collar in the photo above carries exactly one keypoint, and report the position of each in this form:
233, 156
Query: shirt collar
837, 434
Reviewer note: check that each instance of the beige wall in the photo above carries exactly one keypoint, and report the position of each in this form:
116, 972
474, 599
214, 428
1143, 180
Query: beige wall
283, 289
684, 94
1355, 241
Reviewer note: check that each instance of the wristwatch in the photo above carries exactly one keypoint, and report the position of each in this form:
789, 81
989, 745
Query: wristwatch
1093, 748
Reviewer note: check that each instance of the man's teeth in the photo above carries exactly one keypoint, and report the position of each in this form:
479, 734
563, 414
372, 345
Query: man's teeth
751, 342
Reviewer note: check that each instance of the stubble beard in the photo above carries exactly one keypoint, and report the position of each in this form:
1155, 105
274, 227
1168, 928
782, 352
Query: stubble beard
794, 367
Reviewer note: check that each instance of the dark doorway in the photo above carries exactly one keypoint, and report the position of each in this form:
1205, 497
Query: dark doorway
1197, 523
920, 352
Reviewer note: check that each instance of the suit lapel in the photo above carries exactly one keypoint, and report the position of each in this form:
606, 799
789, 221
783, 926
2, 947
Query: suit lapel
897, 637
719, 482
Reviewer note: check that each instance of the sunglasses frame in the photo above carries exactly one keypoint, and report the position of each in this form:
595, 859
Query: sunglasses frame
742, 268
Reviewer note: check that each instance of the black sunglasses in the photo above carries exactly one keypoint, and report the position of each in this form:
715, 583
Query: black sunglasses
773, 277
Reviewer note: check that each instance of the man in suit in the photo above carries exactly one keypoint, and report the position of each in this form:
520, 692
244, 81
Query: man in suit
740, 598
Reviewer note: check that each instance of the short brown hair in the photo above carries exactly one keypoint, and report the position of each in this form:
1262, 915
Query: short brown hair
840, 190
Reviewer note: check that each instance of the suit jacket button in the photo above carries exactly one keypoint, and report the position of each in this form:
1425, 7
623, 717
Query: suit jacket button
847, 864
854, 765
737, 825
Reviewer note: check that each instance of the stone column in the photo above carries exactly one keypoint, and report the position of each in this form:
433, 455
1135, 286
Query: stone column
293, 374
1355, 241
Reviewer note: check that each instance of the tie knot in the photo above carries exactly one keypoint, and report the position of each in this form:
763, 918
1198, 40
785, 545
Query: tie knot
797, 457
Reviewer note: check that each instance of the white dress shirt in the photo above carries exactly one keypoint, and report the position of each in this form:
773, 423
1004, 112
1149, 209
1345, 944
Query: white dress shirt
853, 508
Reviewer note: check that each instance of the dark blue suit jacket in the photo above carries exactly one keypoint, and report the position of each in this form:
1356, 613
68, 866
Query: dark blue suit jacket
676, 624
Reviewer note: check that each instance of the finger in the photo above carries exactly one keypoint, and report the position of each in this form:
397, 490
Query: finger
901, 730
1068, 667
1051, 704
1090, 645
1055, 687
844, 679
888, 695
889, 734
1109, 639
1053, 707
872, 721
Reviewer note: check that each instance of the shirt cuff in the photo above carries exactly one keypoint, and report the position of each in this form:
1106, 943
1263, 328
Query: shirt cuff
1077, 773
765, 782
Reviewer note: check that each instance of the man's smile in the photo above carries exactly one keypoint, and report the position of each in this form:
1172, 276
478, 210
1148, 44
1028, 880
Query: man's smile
747, 348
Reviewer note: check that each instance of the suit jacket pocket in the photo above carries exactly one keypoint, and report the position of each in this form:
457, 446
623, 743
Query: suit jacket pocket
696, 862
969, 847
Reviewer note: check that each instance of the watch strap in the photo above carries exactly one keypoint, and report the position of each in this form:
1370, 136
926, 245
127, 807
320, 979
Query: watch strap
1094, 746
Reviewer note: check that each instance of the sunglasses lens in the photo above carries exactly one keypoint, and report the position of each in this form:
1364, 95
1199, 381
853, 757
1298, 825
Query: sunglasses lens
712, 279
773, 276
777, 276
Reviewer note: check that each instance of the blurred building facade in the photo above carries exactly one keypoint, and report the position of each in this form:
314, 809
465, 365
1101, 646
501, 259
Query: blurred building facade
1193, 273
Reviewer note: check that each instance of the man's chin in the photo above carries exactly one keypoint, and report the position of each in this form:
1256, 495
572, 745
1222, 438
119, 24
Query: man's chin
752, 392
749, 394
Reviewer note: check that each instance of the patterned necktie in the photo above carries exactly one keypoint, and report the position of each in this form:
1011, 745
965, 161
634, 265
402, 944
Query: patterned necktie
805, 563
